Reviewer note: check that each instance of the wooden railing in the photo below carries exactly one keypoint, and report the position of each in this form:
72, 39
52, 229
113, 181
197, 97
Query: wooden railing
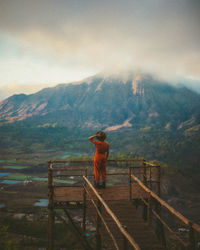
147, 177
153, 197
101, 203
127, 239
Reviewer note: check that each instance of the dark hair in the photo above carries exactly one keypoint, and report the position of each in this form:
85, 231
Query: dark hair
101, 135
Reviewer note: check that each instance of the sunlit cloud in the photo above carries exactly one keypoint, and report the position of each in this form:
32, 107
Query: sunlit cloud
62, 41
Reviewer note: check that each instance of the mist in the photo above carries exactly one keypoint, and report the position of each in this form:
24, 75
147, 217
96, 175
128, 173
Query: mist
155, 36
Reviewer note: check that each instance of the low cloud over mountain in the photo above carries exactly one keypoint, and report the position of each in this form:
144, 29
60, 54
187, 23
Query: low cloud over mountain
108, 103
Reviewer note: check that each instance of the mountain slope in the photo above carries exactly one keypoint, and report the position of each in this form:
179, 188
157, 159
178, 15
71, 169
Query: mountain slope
140, 101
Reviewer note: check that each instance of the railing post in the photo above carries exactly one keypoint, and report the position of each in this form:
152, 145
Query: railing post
149, 216
98, 235
191, 237
150, 177
84, 203
50, 208
158, 180
145, 183
125, 240
159, 226
130, 185
144, 173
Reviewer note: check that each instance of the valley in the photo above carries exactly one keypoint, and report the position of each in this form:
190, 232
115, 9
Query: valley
142, 117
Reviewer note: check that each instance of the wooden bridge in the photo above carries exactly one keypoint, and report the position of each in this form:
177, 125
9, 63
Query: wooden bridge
127, 214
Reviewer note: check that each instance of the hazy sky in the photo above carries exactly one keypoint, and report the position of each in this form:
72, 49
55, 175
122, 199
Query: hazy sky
48, 42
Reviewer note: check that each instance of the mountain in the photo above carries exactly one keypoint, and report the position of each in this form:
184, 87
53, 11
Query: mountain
108, 103
143, 116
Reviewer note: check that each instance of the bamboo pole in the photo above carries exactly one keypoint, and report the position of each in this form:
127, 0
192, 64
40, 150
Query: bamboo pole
98, 226
169, 229
68, 169
168, 207
144, 213
104, 222
84, 209
163, 203
125, 239
158, 180
130, 185
150, 178
84, 203
117, 222
68, 175
90, 161
149, 214
158, 208
50, 208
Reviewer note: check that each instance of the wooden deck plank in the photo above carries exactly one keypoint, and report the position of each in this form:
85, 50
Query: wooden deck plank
136, 227
117, 198
120, 192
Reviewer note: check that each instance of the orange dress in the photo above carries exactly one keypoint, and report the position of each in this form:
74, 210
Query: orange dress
100, 159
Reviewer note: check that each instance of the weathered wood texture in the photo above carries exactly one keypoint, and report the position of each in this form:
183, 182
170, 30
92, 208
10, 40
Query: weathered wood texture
129, 217
110, 193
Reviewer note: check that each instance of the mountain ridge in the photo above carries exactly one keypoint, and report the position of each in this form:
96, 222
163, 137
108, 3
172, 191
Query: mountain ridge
104, 102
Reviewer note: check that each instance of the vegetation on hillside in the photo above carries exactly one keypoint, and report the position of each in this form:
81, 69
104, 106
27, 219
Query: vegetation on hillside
177, 148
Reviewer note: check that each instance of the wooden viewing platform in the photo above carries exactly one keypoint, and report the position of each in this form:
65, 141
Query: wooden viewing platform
114, 193
127, 215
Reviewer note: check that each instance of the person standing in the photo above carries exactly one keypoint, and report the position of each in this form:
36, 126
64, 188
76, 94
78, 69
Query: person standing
100, 158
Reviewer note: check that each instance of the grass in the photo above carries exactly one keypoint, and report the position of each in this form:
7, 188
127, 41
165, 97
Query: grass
20, 177
15, 167
40, 178
64, 181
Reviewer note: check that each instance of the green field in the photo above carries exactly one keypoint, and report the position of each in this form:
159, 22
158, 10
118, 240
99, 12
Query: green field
20, 177
15, 167
40, 179
64, 181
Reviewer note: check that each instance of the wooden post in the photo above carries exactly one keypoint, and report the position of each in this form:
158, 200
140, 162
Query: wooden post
50, 208
149, 216
150, 178
191, 237
125, 239
98, 236
159, 226
130, 185
144, 215
84, 203
158, 180
144, 173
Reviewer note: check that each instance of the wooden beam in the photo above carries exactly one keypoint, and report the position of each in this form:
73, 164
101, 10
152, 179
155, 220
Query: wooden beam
117, 222
167, 206
50, 209
104, 222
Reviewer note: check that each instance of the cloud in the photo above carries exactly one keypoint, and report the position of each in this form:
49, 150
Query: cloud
14, 88
157, 36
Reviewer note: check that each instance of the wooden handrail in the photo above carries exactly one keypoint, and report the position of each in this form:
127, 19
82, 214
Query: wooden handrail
89, 161
102, 219
164, 204
151, 164
117, 222
68, 169
147, 166
168, 228
66, 175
